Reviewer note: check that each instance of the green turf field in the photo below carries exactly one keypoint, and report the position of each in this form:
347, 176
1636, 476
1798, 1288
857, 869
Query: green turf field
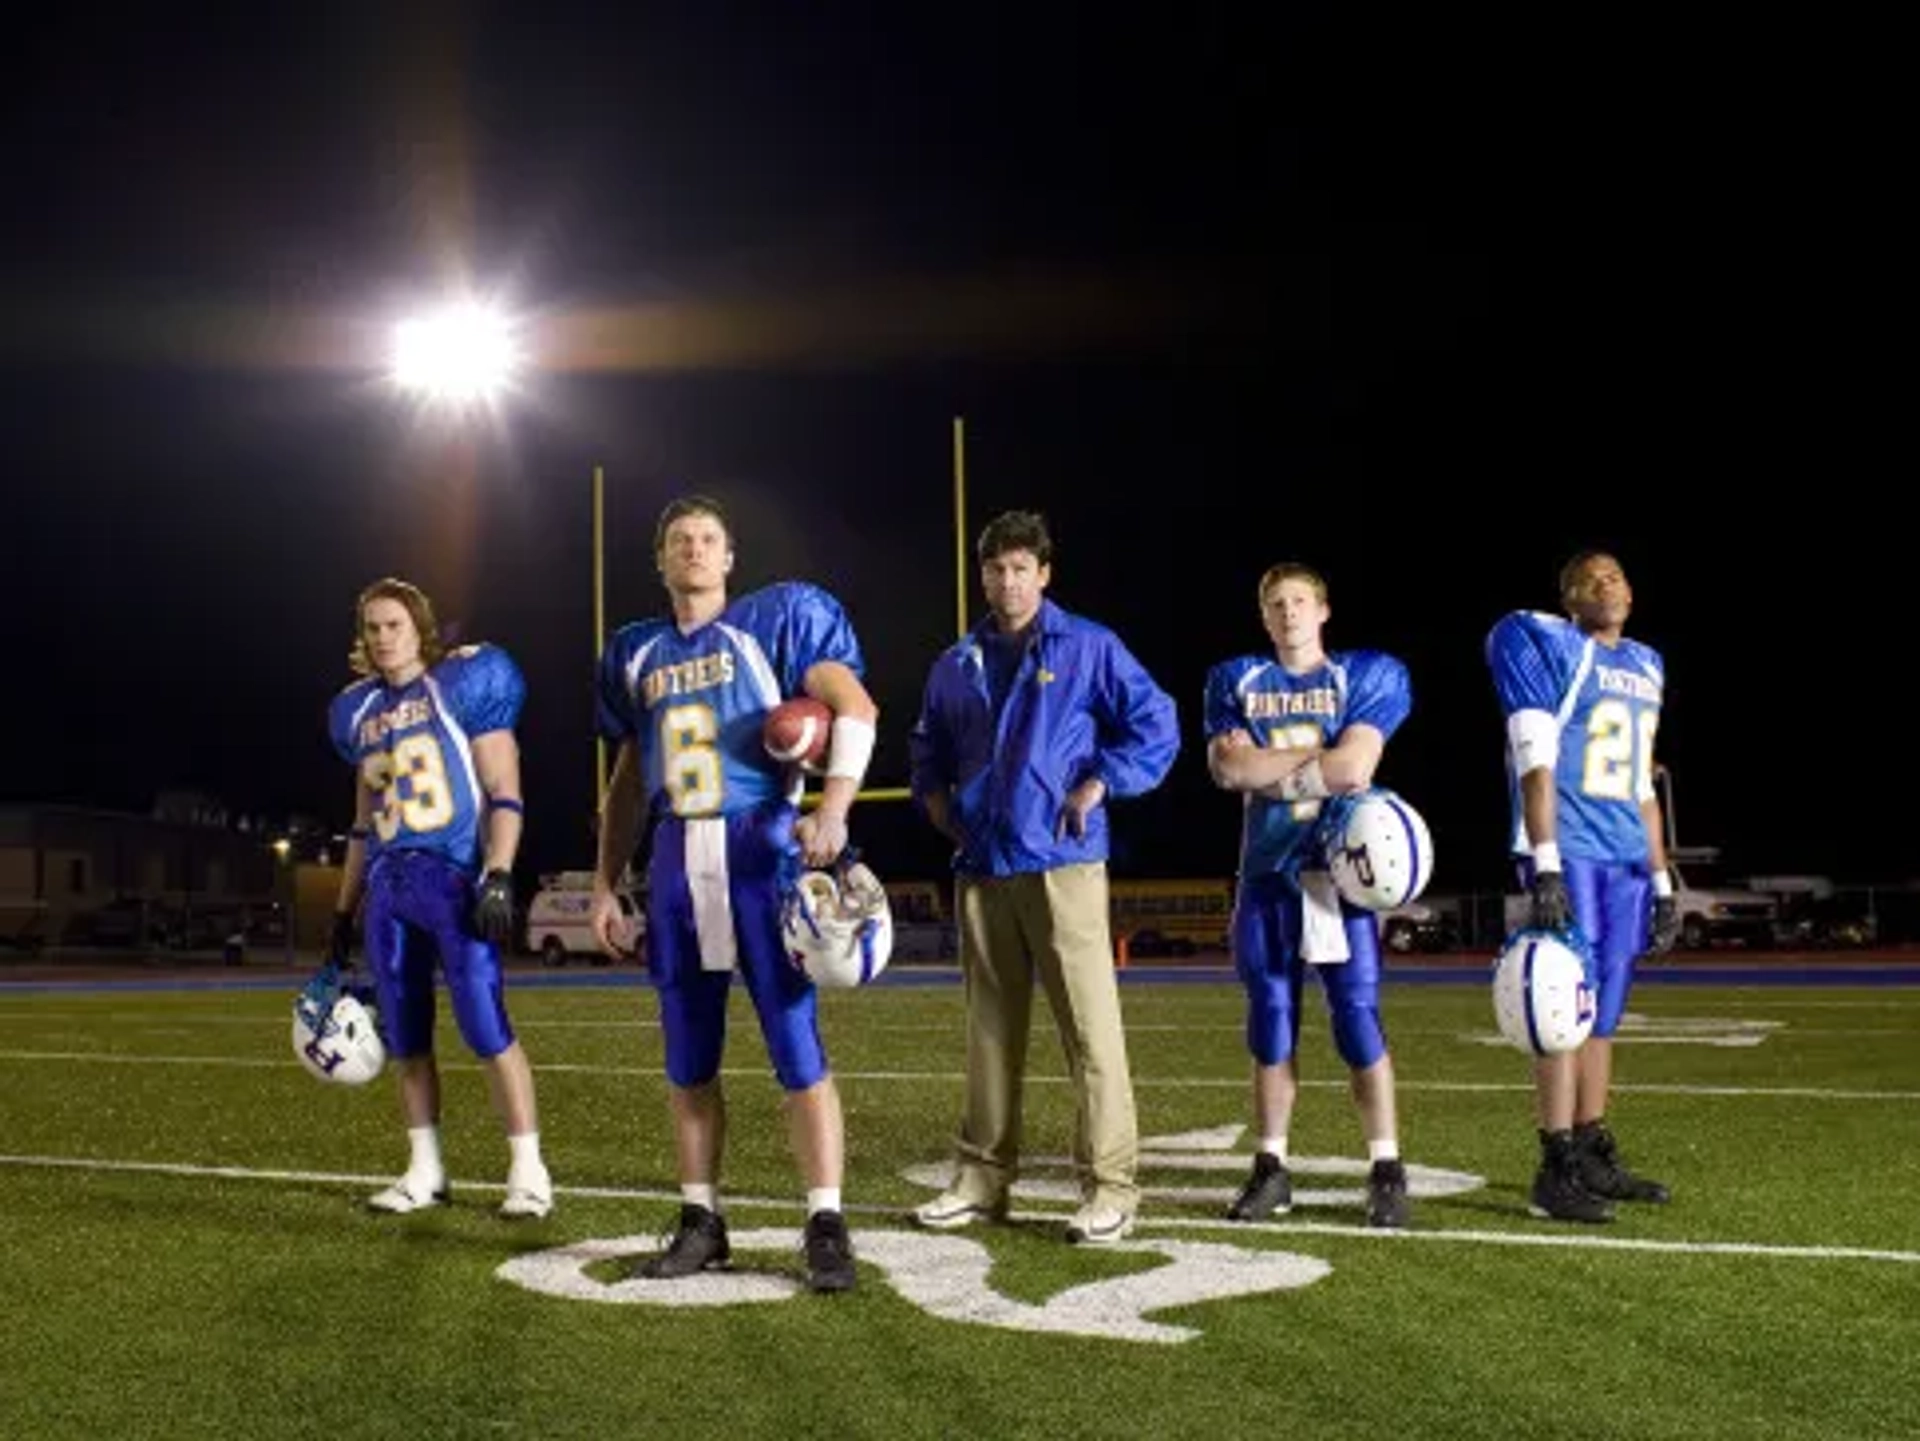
186, 1254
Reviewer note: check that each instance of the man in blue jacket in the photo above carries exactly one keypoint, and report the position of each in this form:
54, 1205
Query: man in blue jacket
1029, 725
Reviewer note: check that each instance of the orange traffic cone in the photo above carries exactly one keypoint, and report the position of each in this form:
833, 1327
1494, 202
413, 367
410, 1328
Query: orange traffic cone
1120, 953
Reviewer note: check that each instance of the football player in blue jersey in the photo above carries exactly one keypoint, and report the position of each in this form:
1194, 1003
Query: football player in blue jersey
684, 698
1582, 703
1287, 730
437, 821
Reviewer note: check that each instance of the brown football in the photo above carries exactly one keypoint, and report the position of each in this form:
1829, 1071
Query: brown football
797, 731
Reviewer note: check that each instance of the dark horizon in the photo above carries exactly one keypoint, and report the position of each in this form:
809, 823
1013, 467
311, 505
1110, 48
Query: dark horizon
1209, 296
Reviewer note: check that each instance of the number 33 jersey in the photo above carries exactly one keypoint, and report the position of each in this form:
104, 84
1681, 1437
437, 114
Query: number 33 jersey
413, 748
1605, 699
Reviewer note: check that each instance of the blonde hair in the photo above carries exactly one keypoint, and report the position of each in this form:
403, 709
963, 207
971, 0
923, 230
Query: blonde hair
418, 607
1291, 570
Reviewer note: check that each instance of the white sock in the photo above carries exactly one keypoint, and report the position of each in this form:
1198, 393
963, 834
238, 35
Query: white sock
426, 1166
1275, 1146
823, 1198
701, 1194
525, 1149
1383, 1150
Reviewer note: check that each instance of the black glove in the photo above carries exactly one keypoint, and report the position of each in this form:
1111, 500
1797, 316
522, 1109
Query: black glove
1666, 925
493, 907
340, 943
1552, 909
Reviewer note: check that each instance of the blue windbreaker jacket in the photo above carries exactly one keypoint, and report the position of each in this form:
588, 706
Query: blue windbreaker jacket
1080, 705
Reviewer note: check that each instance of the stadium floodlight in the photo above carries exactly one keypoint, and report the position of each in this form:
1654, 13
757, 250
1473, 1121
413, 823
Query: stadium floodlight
462, 354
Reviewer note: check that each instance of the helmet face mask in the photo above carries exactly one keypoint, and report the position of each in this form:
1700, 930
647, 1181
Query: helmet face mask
838, 929
336, 1033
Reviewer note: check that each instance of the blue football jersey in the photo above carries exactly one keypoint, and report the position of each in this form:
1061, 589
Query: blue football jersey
694, 704
1607, 702
1258, 695
413, 748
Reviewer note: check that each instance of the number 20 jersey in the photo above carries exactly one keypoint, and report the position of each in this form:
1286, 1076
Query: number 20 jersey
1606, 701
694, 703
413, 748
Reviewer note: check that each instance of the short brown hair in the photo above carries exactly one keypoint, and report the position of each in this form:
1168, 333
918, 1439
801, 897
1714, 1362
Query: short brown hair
1016, 530
686, 505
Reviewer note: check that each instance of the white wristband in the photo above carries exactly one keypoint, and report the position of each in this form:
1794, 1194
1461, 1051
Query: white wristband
1305, 783
851, 748
1662, 884
1546, 856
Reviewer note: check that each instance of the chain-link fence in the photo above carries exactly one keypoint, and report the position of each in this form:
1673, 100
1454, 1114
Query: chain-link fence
1835, 918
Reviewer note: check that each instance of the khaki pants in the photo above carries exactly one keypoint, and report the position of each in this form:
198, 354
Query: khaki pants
1053, 924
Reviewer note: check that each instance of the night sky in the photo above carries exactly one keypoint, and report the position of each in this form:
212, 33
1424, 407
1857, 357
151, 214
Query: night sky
1424, 306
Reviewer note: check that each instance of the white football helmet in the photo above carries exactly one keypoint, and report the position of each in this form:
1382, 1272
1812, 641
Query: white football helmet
1541, 998
839, 930
1379, 851
335, 1035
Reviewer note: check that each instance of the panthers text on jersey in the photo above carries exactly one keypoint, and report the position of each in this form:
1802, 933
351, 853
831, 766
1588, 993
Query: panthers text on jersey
1606, 702
413, 747
1260, 696
694, 703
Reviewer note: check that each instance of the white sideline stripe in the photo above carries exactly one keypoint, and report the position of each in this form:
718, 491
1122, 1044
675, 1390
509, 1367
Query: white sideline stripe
1204, 1083
1565, 1239
342, 1178
1753, 999
1578, 1240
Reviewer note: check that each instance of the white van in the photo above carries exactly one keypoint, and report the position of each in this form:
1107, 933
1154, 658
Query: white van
558, 920
1712, 908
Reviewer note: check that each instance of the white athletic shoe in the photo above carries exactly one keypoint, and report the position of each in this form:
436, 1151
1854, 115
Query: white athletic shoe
951, 1210
407, 1194
529, 1195
1099, 1225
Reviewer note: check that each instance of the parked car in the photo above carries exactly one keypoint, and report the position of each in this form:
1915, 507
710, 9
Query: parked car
559, 923
1420, 926
1714, 908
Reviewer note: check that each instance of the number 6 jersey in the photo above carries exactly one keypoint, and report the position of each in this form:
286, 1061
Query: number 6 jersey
413, 747
1605, 701
693, 703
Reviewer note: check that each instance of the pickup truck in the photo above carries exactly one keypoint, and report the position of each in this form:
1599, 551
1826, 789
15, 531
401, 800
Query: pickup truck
1713, 909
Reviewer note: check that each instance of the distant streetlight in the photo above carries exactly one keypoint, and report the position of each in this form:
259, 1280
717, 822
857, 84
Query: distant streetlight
463, 354
289, 891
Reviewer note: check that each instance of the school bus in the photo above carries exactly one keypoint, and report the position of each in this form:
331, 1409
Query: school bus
923, 928
1176, 917
918, 901
1154, 917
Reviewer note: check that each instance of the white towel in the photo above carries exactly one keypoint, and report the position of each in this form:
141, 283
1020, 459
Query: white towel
707, 884
1323, 934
